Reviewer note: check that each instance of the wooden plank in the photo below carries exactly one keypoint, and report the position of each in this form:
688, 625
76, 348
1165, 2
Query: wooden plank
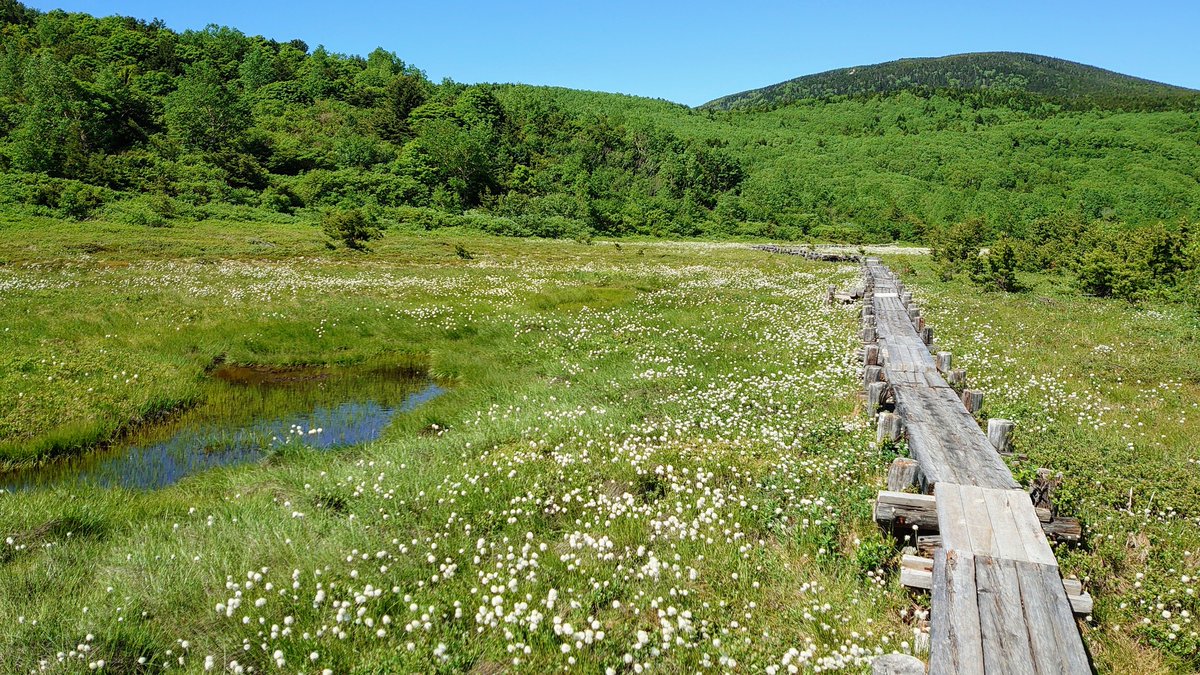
1006, 647
1066, 635
1004, 525
979, 523
916, 562
1029, 527
952, 518
1038, 619
956, 641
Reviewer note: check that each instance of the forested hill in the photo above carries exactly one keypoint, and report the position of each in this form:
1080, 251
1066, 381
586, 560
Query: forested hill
1064, 82
122, 120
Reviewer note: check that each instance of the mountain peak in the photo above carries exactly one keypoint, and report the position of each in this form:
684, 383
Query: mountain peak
1046, 76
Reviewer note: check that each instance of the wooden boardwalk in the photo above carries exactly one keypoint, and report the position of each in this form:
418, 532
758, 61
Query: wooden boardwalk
999, 603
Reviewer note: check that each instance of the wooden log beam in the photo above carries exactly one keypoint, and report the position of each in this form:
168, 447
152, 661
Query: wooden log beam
926, 544
1064, 529
916, 571
897, 511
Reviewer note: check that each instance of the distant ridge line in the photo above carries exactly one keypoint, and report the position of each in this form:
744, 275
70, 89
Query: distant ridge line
1045, 76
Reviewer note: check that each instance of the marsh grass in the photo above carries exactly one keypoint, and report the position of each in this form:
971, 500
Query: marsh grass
658, 444
662, 438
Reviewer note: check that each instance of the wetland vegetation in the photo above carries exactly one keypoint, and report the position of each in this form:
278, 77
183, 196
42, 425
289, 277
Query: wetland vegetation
648, 454
310, 364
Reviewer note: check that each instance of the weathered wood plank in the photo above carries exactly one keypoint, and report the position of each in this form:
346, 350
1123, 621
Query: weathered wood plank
1029, 528
956, 641
1006, 647
1038, 617
1004, 525
1062, 622
979, 523
914, 578
951, 517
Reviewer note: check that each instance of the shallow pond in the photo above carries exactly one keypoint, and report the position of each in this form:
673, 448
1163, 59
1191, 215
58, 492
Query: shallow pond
247, 413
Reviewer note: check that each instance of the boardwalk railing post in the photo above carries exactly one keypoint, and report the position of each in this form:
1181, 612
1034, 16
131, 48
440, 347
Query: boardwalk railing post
957, 378
943, 362
999, 432
902, 474
889, 429
871, 355
876, 392
972, 400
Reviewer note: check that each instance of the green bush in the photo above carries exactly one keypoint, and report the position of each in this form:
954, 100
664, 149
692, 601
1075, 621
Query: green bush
352, 227
996, 271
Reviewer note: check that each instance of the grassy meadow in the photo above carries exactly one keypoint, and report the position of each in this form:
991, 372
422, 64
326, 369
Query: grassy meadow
650, 458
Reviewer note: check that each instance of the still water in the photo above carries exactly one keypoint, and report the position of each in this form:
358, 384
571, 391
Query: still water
248, 413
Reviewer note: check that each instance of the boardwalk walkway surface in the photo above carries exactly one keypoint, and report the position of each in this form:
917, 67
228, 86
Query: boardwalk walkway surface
998, 605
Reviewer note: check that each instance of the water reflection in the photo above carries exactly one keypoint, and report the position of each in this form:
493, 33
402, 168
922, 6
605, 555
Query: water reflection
247, 414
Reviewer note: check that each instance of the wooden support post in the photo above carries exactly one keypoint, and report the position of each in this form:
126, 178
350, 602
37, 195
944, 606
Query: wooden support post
999, 432
919, 325
876, 393
902, 474
872, 374
868, 334
957, 378
906, 298
871, 355
972, 400
829, 294
888, 428
926, 334
943, 362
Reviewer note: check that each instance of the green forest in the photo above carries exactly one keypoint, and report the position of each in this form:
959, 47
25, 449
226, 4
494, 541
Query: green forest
119, 119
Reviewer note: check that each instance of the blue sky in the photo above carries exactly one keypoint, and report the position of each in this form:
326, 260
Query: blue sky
692, 52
